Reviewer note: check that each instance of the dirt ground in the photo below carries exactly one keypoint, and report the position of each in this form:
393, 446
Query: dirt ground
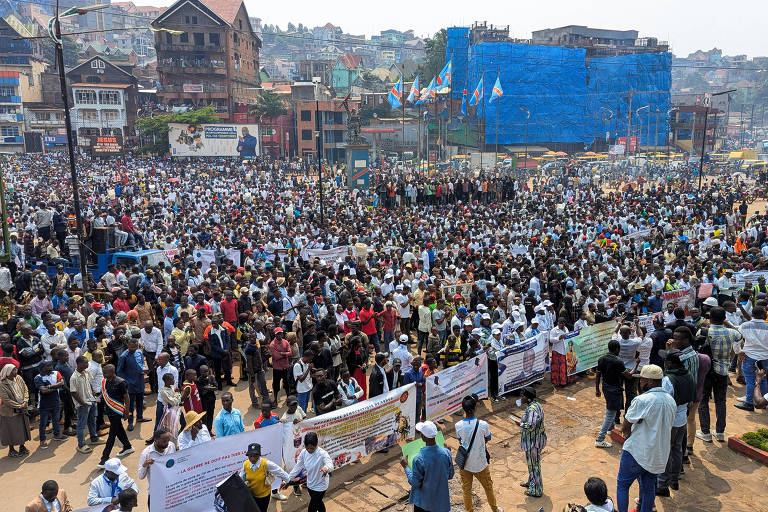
718, 478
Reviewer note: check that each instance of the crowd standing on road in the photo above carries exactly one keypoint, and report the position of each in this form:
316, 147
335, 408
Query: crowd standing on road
551, 251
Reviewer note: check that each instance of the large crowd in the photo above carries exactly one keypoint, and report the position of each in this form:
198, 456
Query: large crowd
546, 251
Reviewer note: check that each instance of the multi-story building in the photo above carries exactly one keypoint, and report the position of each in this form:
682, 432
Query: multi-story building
104, 98
346, 71
214, 61
333, 118
308, 69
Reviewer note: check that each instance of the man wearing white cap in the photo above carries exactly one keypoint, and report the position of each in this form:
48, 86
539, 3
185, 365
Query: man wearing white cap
429, 473
105, 487
387, 286
403, 308
533, 330
401, 352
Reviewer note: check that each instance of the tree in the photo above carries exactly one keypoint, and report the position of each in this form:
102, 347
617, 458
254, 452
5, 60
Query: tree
156, 127
435, 56
367, 113
268, 106
301, 28
291, 27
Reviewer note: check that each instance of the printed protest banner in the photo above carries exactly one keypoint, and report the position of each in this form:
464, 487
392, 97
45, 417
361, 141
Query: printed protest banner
447, 388
647, 321
584, 348
685, 299
642, 233
327, 255
523, 363
360, 429
465, 290
185, 481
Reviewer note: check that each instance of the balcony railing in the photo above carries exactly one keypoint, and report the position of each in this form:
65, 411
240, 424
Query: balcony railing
206, 89
189, 47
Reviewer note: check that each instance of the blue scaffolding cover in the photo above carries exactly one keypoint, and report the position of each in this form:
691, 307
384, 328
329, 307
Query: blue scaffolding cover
457, 47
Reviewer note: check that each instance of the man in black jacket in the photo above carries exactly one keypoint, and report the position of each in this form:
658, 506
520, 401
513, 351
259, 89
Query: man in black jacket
378, 382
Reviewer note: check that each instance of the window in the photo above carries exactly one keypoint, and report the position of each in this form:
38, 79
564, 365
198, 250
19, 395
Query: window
109, 97
306, 134
199, 38
184, 38
89, 115
7, 91
306, 115
213, 38
186, 20
110, 115
9, 131
235, 38
194, 20
168, 38
85, 97
8, 110
240, 23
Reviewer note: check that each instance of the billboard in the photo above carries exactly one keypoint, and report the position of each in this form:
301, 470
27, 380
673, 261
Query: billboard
213, 140
104, 145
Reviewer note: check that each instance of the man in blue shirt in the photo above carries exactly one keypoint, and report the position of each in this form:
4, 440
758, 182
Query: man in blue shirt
229, 421
414, 374
430, 472
247, 144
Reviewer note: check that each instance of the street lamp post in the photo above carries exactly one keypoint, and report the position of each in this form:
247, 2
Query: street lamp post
669, 123
527, 118
56, 36
319, 149
708, 100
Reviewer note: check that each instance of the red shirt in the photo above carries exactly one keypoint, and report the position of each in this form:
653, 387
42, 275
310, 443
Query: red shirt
192, 403
9, 360
121, 305
261, 421
389, 315
229, 310
367, 321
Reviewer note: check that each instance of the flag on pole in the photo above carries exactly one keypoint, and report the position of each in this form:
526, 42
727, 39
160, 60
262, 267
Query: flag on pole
396, 94
464, 102
444, 78
429, 92
496, 92
414, 94
477, 95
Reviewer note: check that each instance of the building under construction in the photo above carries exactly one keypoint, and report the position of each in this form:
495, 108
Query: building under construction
570, 88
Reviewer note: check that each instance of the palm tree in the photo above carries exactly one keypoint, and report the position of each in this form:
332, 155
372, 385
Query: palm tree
268, 106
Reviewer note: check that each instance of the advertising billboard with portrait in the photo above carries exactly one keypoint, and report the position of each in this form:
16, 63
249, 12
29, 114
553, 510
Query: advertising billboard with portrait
213, 140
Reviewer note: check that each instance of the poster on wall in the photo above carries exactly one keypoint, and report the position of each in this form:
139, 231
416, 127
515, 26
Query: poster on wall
106, 145
358, 430
185, 481
213, 140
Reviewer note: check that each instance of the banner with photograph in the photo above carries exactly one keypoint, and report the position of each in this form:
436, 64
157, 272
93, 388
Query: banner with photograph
641, 233
523, 363
207, 256
185, 481
213, 139
360, 429
447, 388
585, 347
328, 255
465, 290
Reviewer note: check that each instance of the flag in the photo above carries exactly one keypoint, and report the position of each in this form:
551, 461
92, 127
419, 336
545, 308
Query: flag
477, 95
445, 75
430, 91
496, 92
414, 94
464, 102
396, 94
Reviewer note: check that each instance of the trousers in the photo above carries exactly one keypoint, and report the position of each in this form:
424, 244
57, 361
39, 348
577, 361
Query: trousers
629, 471
716, 385
675, 461
116, 431
535, 484
484, 477
52, 414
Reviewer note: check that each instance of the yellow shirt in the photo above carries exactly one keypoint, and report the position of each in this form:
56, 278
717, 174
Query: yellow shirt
256, 479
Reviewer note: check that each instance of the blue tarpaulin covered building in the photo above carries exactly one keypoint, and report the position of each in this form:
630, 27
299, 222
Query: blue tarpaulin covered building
563, 89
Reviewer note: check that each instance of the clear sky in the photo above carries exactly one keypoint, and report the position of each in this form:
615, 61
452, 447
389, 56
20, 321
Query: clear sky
736, 28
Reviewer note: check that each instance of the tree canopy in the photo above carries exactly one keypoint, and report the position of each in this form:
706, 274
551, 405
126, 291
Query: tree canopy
157, 126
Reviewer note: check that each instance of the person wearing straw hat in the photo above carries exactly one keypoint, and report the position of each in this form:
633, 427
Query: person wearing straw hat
195, 432
258, 472
105, 487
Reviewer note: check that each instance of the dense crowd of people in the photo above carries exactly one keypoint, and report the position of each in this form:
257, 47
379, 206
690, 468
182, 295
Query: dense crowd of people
548, 251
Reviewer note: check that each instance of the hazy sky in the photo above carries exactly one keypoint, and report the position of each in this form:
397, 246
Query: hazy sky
736, 28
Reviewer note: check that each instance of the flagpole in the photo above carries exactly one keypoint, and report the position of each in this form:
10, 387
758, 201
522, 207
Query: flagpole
498, 100
450, 96
402, 120
418, 138
465, 99
481, 123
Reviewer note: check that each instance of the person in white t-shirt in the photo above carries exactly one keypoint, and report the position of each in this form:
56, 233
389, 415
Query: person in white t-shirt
302, 374
473, 433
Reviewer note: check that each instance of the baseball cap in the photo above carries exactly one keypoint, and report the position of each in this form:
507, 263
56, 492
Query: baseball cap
428, 430
468, 322
277, 330
710, 301
534, 320
463, 310
114, 465
652, 371
496, 331
403, 338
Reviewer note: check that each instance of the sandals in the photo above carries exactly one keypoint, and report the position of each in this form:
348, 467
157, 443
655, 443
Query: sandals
532, 495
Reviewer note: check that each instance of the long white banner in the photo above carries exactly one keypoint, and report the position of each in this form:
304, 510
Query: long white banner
358, 430
328, 255
185, 481
523, 363
447, 388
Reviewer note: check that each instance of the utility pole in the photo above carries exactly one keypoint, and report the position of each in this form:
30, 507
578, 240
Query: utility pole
70, 145
319, 149
708, 100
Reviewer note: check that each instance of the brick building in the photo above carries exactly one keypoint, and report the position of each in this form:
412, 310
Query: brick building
214, 61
